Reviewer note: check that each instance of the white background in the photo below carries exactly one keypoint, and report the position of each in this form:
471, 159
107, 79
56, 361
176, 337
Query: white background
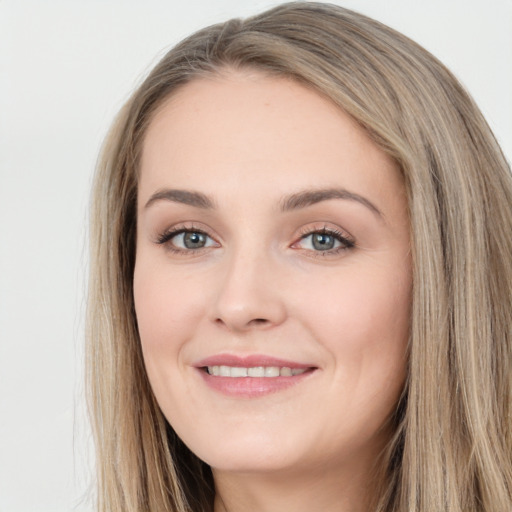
65, 69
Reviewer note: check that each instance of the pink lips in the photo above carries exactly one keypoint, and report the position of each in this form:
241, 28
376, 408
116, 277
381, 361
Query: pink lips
248, 361
251, 387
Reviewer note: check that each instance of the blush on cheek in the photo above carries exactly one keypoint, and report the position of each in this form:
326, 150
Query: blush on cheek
164, 316
152, 314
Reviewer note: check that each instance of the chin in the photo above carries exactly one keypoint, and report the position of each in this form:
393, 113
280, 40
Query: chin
251, 463
248, 453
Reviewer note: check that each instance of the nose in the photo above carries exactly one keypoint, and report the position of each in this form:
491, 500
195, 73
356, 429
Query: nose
250, 294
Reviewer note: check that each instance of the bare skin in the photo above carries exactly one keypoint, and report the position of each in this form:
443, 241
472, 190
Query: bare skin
272, 228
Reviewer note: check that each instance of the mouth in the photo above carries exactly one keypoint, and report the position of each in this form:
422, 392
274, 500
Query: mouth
251, 376
253, 371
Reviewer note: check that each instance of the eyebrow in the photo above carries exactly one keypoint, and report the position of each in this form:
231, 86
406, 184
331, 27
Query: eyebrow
187, 197
310, 197
292, 202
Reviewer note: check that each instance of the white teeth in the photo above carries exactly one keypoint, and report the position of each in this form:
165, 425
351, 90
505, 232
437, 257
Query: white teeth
256, 371
238, 372
272, 371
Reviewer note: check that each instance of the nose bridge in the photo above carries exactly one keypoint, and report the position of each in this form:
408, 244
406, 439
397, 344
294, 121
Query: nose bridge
248, 294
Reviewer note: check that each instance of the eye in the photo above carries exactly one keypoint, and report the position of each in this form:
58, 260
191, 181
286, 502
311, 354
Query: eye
325, 240
184, 240
191, 240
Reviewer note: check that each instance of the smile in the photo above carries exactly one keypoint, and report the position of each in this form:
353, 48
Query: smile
253, 371
252, 376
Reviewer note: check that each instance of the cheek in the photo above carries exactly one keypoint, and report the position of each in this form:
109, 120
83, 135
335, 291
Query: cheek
358, 304
363, 321
166, 310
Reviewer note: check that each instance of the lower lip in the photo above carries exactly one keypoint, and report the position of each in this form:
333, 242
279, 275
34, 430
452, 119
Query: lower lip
252, 387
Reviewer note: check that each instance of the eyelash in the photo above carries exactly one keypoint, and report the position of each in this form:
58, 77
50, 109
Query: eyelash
346, 243
166, 237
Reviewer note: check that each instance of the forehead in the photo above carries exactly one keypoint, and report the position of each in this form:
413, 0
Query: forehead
255, 129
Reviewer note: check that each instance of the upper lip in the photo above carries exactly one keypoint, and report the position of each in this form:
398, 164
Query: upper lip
249, 361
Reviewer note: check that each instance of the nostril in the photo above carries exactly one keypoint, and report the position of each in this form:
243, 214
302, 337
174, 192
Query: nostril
243, 325
259, 321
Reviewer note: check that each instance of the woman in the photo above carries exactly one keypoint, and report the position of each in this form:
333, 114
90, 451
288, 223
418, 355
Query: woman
301, 278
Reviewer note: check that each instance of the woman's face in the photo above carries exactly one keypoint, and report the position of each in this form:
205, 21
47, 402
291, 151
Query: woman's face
273, 276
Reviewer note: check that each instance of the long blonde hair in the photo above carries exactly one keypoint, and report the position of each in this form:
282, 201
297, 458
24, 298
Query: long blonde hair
452, 446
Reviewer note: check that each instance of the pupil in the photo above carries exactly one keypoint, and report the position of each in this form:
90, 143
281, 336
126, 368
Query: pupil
194, 240
323, 242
